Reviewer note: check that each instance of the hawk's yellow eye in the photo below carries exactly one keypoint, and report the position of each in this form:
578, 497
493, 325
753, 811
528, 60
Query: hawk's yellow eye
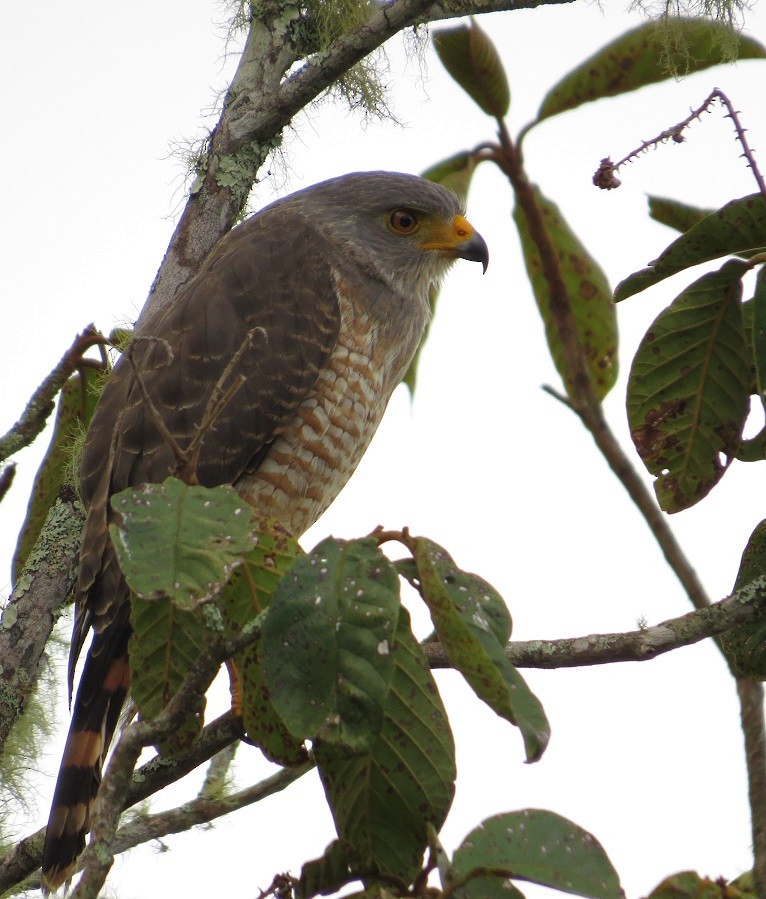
403, 221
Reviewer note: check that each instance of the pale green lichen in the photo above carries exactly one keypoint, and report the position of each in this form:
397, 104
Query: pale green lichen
212, 618
238, 171
673, 15
59, 539
30, 733
219, 779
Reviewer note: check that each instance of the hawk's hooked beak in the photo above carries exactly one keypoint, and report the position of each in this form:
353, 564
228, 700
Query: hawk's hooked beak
459, 239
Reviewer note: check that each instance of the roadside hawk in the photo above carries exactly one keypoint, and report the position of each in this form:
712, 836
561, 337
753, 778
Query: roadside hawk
322, 297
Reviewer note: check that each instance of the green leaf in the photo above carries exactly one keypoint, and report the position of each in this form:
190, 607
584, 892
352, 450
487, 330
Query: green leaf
679, 216
745, 646
648, 54
538, 846
326, 643
410, 378
340, 864
688, 389
748, 323
253, 583
474, 625
243, 599
77, 400
455, 173
589, 294
179, 541
472, 60
742, 886
383, 800
759, 331
487, 886
164, 645
693, 886
738, 228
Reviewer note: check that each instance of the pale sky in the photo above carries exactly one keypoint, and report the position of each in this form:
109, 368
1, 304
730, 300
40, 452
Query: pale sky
648, 757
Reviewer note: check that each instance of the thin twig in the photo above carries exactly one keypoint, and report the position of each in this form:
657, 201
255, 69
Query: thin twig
26, 855
7, 473
585, 403
181, 457
605, 176
219, 398
202, 810
42, 402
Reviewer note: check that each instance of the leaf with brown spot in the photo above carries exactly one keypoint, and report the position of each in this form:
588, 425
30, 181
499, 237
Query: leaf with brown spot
688, 389
384, 799
648, 54
589, 295
737, 229
474, 625
244, 597
533, 845
679, 216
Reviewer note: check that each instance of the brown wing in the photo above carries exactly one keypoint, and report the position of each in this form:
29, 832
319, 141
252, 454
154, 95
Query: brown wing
267, 279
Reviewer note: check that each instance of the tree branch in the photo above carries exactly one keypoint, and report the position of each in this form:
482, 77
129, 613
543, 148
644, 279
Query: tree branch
202, 810
28, 619
262, 102
42, 402
747, 604
115, 786
26, 856
751, 711
145, 828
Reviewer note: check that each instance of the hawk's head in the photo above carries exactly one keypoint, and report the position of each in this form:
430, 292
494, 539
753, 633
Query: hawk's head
404, 229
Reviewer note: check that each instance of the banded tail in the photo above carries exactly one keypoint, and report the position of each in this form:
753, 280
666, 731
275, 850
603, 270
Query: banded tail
100, 697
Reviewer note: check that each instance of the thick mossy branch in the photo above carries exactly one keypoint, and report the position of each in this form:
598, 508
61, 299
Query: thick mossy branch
28, 619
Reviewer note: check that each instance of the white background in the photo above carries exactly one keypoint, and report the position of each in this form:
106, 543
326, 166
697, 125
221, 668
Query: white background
648, 757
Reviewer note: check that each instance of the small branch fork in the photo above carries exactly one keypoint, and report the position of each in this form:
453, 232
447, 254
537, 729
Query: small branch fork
42, 402
116, 783
220, 396
606, 174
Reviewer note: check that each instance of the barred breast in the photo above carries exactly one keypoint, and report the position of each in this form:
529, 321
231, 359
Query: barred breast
311, 461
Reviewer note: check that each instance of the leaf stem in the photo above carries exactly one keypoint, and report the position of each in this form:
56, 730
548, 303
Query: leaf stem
751, 711
582, 398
